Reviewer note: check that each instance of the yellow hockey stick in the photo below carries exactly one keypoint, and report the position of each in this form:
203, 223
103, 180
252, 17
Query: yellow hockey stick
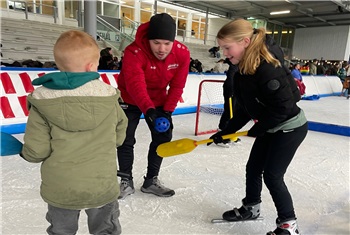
231, 116
186, 145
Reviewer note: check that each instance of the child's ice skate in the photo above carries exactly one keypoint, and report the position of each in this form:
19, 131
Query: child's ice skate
249, 211
228, 143
286, 227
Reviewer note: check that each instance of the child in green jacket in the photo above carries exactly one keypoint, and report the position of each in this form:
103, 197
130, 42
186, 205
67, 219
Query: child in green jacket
73, 129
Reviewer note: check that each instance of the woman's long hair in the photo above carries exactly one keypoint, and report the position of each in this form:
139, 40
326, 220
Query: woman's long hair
236, 31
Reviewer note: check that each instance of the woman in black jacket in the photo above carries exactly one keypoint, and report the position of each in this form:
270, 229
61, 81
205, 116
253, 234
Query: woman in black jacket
264, 92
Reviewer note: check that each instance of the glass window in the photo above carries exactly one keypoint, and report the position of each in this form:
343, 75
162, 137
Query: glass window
202, 31
128, 12
182, 15
130, 3
110, 9
285, 36
160, 10
181, 27
3, 4
291, 38
171, 12
270, 28
99, 8
70, 9
146, 6
145, 16
258, 23
16, 5
277, 34
196, 17
195, 30
181, 24
47, 7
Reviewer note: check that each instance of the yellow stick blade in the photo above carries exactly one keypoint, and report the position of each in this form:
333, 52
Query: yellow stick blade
186, 145
176, 147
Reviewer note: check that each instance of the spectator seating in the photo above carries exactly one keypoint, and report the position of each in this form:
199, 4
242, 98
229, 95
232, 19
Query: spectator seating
24, 39
200, 52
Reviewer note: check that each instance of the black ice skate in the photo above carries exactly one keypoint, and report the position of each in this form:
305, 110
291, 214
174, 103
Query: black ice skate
249, 211
286, 227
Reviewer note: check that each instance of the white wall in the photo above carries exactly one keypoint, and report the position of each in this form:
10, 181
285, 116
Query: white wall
214, 25
329, 43
347, 49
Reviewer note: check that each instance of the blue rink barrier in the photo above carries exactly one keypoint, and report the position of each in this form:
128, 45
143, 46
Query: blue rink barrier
14, 128
313, 126
9, 145
329, 128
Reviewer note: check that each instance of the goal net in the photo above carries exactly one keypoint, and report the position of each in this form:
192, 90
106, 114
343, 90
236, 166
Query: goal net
210, 106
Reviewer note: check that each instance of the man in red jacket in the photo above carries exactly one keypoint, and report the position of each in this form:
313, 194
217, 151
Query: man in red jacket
154, 73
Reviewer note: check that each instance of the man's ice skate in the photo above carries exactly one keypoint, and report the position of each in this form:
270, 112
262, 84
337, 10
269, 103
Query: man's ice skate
249, 211
154, 186
126, 188
286, 227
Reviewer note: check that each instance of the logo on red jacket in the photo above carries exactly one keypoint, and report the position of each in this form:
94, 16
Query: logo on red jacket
173, 66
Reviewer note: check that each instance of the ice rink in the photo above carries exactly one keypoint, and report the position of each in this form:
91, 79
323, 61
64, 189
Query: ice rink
208, 181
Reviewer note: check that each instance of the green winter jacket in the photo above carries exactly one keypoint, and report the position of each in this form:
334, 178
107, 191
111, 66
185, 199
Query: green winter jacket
74, 128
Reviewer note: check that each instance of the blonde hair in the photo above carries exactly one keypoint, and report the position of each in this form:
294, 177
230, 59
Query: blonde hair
75, 49
236, 31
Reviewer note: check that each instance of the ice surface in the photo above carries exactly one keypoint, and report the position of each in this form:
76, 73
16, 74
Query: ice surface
207, 182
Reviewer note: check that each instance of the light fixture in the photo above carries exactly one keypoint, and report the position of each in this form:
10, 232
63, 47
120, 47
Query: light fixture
279, 12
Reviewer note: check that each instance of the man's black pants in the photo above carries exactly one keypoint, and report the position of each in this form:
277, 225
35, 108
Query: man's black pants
126, 151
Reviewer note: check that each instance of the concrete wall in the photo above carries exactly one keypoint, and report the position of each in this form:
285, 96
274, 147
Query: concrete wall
329, 43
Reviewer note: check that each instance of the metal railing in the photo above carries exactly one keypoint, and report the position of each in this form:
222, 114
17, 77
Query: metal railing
113, 36
201, 38
33, 8
129, 26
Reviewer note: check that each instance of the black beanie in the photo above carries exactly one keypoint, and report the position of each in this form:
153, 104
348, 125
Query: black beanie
162, 26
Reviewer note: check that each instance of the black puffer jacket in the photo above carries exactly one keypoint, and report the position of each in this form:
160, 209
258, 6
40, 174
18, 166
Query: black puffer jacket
265, 96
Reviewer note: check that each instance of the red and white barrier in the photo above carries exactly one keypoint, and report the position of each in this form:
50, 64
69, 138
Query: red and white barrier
16, 85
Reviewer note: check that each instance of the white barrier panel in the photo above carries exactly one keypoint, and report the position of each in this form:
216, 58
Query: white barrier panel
16, 85
322, 85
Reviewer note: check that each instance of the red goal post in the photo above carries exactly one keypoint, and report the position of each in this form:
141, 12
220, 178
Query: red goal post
210, 105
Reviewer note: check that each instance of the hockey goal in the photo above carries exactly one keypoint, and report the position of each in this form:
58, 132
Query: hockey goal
210, 106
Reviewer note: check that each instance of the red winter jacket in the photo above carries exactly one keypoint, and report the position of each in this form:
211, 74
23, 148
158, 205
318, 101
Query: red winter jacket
148, 82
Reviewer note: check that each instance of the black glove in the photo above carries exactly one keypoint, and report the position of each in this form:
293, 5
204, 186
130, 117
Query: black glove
255, 131
217, 138
151, 115
167, 115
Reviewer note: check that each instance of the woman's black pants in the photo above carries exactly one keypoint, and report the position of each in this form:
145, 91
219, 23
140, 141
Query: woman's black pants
269, 159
